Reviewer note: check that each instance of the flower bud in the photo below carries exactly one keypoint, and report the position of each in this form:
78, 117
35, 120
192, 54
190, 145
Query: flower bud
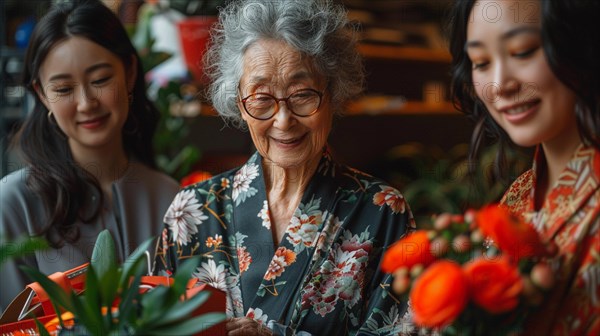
542, 276
401, 272
442, 221
461, 243
401, 284
477, 236
439, 246
470, 216
458, 218
416, 270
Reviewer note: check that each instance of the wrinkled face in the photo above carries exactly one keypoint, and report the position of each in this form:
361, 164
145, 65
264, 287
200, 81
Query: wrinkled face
86, 87
287, 140
513, 78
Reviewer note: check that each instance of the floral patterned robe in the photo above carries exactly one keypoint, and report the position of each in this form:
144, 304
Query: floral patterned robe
323, 278
570, 216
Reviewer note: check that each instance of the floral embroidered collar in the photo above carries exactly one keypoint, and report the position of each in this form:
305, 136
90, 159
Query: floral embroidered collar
575, 185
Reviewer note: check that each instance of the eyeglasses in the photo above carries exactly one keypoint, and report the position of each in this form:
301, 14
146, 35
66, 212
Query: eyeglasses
302, 103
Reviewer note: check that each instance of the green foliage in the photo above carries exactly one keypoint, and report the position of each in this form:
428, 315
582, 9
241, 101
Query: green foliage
434, 181
21, 247
174, 156
157, 312
141, 38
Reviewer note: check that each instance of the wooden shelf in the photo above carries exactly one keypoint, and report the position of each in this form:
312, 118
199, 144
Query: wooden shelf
379, 106
404, 53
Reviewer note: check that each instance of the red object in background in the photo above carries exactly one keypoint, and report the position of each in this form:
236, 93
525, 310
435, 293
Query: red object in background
194, 34
195, 177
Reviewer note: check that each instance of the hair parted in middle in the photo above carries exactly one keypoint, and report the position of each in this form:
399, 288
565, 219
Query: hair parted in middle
318, 29
55, 176
571, 50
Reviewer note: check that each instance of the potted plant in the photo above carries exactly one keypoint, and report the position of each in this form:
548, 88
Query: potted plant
194, 31
113, 304
197, 7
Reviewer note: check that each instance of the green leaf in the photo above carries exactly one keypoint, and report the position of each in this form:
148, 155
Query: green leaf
186, 307
172, 310
136, 261
109, 285
153, 303
86, 316
183, 274
191, 326
130, 295
41, 329
92, 297
21, 247
103, 256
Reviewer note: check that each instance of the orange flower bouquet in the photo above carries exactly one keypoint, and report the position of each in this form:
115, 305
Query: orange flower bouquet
472, 274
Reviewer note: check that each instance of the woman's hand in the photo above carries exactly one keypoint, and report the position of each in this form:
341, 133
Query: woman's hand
245, 326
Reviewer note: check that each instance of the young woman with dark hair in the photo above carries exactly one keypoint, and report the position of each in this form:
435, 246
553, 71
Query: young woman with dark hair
528, 73
87, 145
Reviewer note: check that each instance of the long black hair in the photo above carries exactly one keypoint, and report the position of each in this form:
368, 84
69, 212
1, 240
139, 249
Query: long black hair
54, 176
571, 49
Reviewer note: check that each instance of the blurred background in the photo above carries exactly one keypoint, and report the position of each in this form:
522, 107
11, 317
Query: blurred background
403, 129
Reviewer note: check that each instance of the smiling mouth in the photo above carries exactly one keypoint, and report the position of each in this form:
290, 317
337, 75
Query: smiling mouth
94, 123
521, 108
290, 141
94, 120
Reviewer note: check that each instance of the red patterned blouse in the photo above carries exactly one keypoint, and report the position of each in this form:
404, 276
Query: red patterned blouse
570, 217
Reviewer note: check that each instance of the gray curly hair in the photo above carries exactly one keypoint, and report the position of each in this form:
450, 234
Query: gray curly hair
316, 28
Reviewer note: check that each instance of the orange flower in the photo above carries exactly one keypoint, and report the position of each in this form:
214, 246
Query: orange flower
282, 258
409, 251
244, 259
439, 295
195, 177
495, 284
210, 241
391, 197
513, 236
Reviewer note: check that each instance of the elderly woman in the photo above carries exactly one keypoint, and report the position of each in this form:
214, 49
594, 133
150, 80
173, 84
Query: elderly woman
294, 238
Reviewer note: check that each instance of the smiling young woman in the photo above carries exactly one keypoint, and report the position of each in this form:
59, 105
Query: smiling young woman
528, 73
86, 144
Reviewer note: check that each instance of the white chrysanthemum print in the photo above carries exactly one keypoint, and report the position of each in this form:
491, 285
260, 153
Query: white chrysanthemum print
183, 216
304, 225
241, 183
302, 231
257, 315
392, 323
211, 274
234, 305
264, 215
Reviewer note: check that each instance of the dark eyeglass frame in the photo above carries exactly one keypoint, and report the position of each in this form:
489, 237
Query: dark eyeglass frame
277, 100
